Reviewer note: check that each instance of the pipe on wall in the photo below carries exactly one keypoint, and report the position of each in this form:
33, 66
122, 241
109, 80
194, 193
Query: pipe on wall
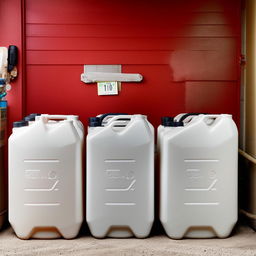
248, 155
250, 91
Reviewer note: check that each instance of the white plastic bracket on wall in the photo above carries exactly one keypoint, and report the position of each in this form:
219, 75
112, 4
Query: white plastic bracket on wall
109, 73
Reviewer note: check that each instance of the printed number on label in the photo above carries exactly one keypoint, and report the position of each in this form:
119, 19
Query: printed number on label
107, 88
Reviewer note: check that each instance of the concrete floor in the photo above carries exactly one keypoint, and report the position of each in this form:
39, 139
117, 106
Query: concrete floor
241, 243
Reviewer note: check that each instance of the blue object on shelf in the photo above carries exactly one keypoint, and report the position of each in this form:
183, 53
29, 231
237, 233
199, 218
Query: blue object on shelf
3, 95
3, 103
2, 81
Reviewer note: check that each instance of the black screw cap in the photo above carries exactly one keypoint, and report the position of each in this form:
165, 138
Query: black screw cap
167, 120
94, 121
20, 124
31, 117
179, 123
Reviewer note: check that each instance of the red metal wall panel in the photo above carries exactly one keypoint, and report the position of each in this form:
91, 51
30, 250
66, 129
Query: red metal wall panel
11, 32
187, 51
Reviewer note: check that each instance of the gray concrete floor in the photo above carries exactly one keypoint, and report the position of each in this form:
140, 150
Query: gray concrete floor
241, 243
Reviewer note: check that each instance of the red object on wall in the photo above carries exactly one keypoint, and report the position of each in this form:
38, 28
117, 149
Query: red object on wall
187, 51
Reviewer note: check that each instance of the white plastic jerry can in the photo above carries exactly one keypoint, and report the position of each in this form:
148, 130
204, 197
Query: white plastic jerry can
120, 176
45, 177
198, 184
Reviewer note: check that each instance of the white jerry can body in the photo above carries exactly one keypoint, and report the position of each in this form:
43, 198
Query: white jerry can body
198, 184
167, 122
120, 177
45, 178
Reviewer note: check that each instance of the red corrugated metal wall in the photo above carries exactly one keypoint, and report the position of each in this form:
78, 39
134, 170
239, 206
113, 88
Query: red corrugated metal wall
11, 32
187, 50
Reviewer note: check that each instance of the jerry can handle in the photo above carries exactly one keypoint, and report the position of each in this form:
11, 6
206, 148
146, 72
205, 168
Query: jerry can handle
116, 121
218, 115
211, 118
190, 114
60, 117
110, 114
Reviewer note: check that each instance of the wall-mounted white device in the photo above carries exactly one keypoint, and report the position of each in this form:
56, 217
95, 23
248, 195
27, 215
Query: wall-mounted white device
107, 73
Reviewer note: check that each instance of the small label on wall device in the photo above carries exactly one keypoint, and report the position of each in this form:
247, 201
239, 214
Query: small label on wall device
107, 88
